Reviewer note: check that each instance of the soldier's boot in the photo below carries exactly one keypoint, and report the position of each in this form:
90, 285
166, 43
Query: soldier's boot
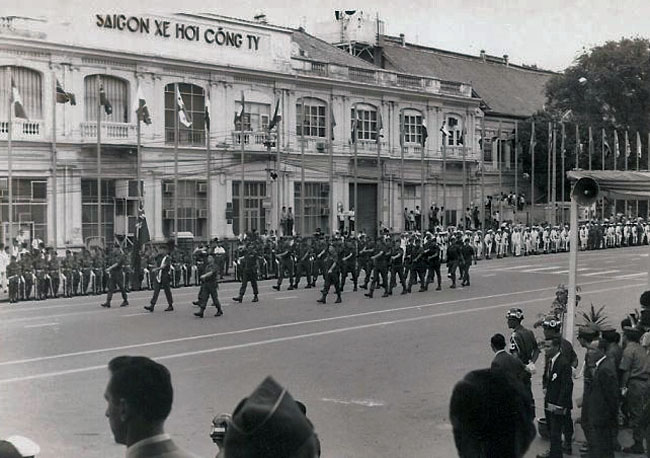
404, 289
291, 287
338, 299
355, 288
276, 287
370, 293
255, 298
386, 294
322, 300
219, 310
199, 313
106, 305
238, 299
170, 308
124, 303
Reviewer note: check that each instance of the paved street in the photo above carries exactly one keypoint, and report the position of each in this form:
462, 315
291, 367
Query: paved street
376, 375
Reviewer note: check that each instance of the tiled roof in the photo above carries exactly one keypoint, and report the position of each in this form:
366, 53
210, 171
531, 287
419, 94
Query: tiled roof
321, 51
507, 89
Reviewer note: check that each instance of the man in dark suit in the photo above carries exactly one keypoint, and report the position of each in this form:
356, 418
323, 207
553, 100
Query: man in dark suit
557, 399
139, 396
505, 362
603, 407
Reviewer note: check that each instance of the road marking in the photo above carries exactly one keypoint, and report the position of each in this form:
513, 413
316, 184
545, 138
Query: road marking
623, 277
303, 336
539, 269
592, 274
518, 267
286, 297
41, 325
356, 402
136, 314
489, 275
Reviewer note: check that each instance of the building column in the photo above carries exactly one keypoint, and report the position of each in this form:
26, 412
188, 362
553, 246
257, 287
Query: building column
153, 205
72, 231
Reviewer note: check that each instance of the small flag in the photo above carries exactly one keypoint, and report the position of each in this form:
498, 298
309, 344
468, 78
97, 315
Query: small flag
141, 109
380, 127
206, 115
617, 149
182, 113
401, 131
638, 144
628, 148
239, 117
443, 129
461, 140
425, 132
142, 228
276, 116
608, 149
17, 102
103, 100
64, 97
355, 126
332, 122
591, 146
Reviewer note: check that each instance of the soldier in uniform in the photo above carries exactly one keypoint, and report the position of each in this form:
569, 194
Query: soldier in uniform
523, 345
162, 274
365, 263
248, 261
40, 270
319, 248
454, 260
115, 273
433, 261
418, 265
380, 269
349, 263
332, 275
396, 267
303, 264
209, 286
27, 275
468, 255
54, 267
13, 279
286, 266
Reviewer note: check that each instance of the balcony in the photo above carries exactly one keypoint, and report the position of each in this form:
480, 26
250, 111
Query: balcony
253, 140
22, 129
111, 132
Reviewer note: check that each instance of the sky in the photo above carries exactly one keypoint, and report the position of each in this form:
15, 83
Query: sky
549, 33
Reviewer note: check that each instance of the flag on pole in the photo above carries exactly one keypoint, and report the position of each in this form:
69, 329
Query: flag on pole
608, 149
401, 131
355, 126
425, 132
239, 117
332, 122
183, 116
628, 149
17, 102
142, 228
103, 100
380, 127
638, 145
64, 97
276, 116
461, 140
617, 149
140, 107
443, 129
591, 146
206, 114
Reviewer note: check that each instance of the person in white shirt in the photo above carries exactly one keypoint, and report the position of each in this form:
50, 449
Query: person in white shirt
4, 262
139, 395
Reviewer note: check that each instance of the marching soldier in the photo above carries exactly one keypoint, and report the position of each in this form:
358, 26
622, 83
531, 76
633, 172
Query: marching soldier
468, 255
332, 276
319, 251
13, 278
417, 264
380, 269
162, 274
454, 261
303, 264
349, 263
433, 260
209, 286
396, 267
115, 277
365, 263
248, 266
285, 258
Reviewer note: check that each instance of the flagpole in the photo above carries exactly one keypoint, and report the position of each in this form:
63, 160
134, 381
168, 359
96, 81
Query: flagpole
302, 165
499, 164
422, 207
356, 171
627, 143
563, 158
10, 160
591, 145
602, 161
638, 150
577, 152
554, 177
176, 133
516, 158
99, 160
464, 151
532, 170
330, 144
379, 190
241, 144
549, 158
482, 207
54, 162
443, 217
401, 171
208, 173
278, 181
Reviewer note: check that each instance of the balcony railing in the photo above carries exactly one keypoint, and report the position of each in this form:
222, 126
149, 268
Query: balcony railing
253, 140
22, 129
186, 137
111, 132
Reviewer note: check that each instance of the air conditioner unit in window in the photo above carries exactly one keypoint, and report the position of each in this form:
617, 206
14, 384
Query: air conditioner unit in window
168, 214
169, 188
202, 213
202, 188
320, 147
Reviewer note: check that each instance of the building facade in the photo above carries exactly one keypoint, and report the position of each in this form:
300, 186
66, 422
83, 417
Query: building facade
345, 131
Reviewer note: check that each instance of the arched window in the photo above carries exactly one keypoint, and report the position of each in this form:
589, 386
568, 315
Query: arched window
194, 100
117, 94
29, 85
314, 119
366, 117
412, 126
455, 129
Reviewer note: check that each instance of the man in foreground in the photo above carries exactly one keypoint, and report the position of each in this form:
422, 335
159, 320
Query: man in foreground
139, 396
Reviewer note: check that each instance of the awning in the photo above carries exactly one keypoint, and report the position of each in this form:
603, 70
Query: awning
617, 184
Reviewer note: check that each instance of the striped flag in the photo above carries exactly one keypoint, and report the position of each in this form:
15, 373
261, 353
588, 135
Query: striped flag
276, 116
206, 115
628, 149
239, 117
17, 102
141, 108
64, 97
182, 113
142, 228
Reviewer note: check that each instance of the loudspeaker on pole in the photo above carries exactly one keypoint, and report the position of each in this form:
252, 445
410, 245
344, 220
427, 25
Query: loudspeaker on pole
586, 191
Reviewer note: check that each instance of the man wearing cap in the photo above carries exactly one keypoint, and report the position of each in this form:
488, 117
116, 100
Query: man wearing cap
248, 262
557, 395
270, 423
209, 286
634, 384
523, 345
332, 275
163, 279
552, 327
115, 277
139, 395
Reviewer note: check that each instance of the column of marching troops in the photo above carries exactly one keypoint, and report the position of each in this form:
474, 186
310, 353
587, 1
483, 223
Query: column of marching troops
409, 258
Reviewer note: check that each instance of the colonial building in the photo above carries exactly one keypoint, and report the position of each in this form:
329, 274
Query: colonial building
346, 131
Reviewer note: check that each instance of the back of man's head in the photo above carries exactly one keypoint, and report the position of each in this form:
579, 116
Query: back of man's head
490, 416
144, 384
498, 342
